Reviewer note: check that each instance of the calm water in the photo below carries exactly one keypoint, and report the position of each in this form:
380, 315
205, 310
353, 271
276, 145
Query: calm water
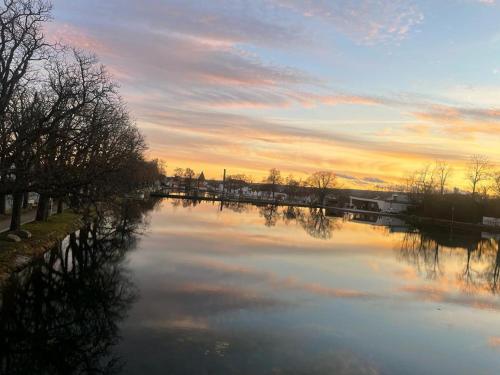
251, 290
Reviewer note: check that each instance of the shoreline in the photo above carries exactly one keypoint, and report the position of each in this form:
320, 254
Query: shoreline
45, 235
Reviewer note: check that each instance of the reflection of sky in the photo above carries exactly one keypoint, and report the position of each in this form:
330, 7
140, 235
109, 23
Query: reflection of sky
301, 84
220, 289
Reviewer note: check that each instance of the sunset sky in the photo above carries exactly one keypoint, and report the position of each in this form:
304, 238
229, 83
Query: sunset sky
369, 89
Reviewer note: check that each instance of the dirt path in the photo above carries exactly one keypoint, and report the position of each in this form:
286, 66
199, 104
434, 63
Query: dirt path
25, 218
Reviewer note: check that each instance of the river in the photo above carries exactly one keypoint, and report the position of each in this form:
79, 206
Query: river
195, 288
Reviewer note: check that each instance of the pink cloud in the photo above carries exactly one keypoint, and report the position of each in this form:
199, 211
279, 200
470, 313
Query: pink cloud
75, 37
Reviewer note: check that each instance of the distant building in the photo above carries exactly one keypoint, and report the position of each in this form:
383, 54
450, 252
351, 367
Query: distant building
201, 182
395, 204
491, 221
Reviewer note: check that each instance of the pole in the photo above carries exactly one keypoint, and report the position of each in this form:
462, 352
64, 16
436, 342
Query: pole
224, 183
452, 220
223, 189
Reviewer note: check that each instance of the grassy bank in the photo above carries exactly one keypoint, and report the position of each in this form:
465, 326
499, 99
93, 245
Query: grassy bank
44, 236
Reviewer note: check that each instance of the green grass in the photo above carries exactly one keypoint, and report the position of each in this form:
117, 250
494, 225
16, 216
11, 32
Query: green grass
44, 236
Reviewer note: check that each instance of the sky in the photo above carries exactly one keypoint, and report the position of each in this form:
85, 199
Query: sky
369, 89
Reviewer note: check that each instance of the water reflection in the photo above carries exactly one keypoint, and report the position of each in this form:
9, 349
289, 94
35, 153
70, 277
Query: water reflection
478, 258
425, 249
255, 290
286, 290
315, 221
60, 314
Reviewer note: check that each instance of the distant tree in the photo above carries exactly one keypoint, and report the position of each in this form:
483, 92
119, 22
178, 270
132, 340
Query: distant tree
496, 184
422, 182
442, 171
189, 173
292, 186
478, 171
162, 166
274, 179
322, 181
188, 178
178, 172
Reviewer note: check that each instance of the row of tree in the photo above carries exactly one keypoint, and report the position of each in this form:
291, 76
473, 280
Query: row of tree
64, 130
481, 176
428, 189
321, 182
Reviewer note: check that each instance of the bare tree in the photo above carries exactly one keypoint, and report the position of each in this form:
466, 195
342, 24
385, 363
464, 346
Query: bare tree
292, 186
178, 172
273, 179
322, 181
496, 183
442, 171
421, 182
478, 171
21, 43
188, 178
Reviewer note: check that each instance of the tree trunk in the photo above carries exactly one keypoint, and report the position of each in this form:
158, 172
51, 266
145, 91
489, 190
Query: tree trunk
42, 212
3, 206
17, 202
26, 198
60, 206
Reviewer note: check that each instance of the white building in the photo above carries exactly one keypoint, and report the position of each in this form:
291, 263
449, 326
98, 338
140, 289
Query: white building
396, 204
491, 221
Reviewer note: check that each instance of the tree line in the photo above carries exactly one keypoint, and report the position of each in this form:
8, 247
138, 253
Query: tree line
428, 188
65, 132
321, 182
480, 175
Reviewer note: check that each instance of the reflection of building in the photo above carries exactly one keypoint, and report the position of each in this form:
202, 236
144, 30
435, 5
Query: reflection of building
393, 223
395, 204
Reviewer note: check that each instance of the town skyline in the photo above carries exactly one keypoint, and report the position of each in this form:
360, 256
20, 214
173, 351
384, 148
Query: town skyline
370, 90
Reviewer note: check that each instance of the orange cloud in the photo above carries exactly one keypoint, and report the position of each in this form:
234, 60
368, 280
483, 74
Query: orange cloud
494, 341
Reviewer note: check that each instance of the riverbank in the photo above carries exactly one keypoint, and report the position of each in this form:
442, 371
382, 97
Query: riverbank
45, 235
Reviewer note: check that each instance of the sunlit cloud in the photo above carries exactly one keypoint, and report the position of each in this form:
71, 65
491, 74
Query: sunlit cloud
210, 78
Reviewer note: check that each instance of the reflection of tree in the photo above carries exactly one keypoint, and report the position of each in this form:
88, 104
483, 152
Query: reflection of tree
494, 271
480, 258
317, 224
313, 221
423, 253
236, 206
184, 202
491, 273
270, 214
291, 213
60, 315
469, 275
